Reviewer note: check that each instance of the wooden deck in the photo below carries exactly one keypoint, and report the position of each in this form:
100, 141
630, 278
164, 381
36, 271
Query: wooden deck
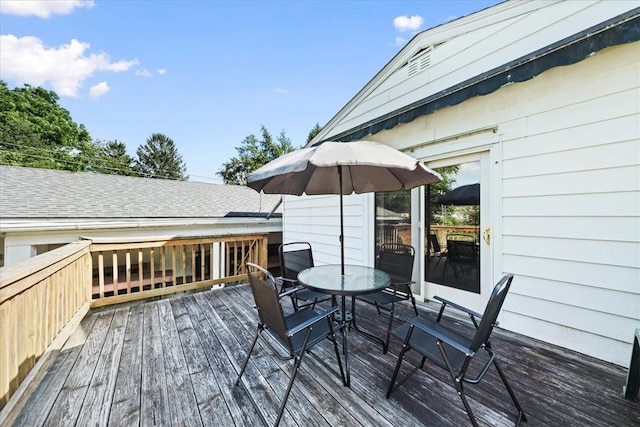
174, 361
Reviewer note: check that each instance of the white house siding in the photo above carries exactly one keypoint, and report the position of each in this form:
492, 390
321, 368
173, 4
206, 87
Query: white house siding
566, 159
571, 204
316, 219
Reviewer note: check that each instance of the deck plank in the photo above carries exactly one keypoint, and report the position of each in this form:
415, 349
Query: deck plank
125, 405
154, 395
100, 392
174, 361
240, 407
68, 404
209, 397
183, 408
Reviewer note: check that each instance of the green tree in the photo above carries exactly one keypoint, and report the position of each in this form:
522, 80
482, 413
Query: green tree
253, 153
35, 131
313, 132
159, 158
112, 158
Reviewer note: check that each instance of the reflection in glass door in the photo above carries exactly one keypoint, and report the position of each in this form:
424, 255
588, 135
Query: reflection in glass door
393, 218
452, 235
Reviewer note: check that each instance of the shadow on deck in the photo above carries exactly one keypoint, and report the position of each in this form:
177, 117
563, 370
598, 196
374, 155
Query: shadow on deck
174, 361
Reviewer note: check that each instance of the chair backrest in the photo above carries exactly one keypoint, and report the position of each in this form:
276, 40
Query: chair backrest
435, 244
295, 257
265, 295
461, 251
396, 260
490, 315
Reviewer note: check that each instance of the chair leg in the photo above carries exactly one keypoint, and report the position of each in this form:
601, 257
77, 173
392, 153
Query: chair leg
413, 301
246, 360
521, 415
388, 337
405, 347
296, 366
396, 370
458, 385
294, 372
332, 337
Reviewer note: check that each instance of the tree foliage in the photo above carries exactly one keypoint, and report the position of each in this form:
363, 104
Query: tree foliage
159, 158
35, 131
112, 158
313, 132
253, 153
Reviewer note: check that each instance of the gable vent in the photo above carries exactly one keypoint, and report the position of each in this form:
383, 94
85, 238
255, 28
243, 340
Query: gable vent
419, 63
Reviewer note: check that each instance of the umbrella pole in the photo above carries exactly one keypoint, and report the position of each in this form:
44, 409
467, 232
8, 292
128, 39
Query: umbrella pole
341, 223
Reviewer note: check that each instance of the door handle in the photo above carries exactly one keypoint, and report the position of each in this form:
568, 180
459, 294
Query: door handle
487, 235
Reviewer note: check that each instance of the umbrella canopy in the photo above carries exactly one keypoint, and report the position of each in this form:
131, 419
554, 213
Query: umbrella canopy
341, 168
465, 195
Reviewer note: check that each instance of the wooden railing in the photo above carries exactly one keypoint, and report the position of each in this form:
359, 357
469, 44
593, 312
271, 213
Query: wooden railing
401, 233
127, 271
446, 232
42, 300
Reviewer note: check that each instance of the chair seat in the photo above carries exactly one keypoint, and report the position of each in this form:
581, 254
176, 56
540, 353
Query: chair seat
382, 297
453, 352
319, 331
309, 295
425, 343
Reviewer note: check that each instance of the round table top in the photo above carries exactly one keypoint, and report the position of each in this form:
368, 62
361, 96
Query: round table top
357, 279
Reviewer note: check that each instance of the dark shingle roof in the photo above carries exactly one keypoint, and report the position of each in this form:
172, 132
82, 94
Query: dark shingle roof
43, 193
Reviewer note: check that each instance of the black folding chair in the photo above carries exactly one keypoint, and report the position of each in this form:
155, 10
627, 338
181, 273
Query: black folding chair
453, 352
297, 332
295, 257
396, 260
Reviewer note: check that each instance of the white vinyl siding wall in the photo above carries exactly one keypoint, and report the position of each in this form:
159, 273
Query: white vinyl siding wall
316, 219
569, 223
571, 206
566, 196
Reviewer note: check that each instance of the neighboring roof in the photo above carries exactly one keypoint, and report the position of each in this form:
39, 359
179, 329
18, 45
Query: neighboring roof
478, 54
29, 193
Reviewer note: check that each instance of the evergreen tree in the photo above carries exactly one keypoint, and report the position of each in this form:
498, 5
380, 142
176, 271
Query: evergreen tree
112, 158
313, 132
159, 158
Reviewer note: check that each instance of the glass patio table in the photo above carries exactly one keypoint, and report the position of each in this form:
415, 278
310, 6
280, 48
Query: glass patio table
357, 280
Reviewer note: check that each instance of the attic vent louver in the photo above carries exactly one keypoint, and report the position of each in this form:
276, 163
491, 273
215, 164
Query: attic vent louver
420, 62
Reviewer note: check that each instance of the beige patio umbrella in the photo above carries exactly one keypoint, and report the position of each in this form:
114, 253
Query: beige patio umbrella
341, 168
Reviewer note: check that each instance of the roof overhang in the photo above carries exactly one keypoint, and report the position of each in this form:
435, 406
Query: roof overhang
619, 30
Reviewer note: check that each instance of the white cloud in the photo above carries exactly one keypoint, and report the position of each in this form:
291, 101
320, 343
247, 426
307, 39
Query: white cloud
143, 73
281, 90
27, 60
98, 90
162, 71
408, 23
400, 41
42, 8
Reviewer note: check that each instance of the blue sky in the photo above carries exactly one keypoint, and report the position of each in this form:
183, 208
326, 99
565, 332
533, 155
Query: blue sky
207, 73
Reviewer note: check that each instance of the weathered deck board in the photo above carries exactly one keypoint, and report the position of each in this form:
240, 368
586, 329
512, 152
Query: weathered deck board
125, 405
175, 361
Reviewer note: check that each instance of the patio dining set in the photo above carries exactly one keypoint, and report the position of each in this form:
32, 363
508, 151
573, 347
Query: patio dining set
319, 310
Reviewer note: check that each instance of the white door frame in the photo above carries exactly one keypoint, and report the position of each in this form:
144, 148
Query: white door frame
471, 300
